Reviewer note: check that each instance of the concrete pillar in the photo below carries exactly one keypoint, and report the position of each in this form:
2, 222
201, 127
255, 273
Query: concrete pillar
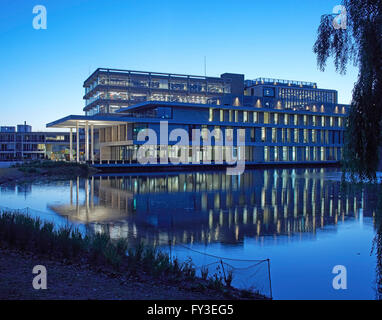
92, 142
87, 141
71, 145
78, 142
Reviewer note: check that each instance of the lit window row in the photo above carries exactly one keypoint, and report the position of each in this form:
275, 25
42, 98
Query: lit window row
302, 154
192, 85
220, 115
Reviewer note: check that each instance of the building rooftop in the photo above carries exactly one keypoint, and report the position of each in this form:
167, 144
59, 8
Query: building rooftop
151, 74
272, 81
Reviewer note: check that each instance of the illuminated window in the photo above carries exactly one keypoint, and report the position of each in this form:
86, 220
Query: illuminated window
274, 135
285, 154
236, 116
263, 134
245, 116
255, 117
211, 117
322, 153
285, 119
230, 115
266, 117
296, 135
267, 154
221, 115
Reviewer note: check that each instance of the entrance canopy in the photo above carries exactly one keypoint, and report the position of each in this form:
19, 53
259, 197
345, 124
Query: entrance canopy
96, 121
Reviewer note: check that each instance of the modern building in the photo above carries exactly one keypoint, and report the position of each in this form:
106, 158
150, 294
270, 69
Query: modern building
24, 144
281, 121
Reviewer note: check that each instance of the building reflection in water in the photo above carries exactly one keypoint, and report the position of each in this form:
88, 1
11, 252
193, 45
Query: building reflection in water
206, 207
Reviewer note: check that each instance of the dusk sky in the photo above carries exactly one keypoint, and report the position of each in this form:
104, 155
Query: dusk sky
42, 71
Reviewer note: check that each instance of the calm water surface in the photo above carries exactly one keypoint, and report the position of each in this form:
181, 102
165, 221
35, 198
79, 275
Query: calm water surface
299, 219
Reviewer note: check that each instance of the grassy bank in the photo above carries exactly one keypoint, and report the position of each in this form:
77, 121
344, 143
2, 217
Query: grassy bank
18, 231
29, 171
52, 168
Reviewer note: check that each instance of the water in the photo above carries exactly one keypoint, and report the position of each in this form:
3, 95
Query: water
300, 219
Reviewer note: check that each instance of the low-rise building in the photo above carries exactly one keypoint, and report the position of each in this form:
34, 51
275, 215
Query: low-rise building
24, 144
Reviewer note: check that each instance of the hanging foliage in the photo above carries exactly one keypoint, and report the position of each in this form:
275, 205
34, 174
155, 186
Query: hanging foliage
360, 43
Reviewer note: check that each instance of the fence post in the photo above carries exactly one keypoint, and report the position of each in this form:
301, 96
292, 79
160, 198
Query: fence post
225, 278
269, 274
169, 243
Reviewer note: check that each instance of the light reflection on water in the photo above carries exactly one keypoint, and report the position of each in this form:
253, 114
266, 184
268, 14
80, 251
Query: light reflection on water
299, 218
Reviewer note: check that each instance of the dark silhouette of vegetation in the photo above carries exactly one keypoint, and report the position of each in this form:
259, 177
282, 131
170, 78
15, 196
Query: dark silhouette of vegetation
359, 43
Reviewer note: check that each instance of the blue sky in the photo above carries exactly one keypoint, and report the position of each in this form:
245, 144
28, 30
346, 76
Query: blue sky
42, 71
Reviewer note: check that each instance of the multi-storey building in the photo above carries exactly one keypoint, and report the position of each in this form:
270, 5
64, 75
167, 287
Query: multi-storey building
281, 122
24, 144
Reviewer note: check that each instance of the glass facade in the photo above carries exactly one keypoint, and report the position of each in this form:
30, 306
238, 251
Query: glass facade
131, 87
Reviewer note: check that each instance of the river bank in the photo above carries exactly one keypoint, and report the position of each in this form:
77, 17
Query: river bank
35, 170
96, 267
82, 282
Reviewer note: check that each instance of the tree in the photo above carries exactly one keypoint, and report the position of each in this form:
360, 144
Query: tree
360, 43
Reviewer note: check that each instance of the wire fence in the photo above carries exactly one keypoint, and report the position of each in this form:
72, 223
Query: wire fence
247, 274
